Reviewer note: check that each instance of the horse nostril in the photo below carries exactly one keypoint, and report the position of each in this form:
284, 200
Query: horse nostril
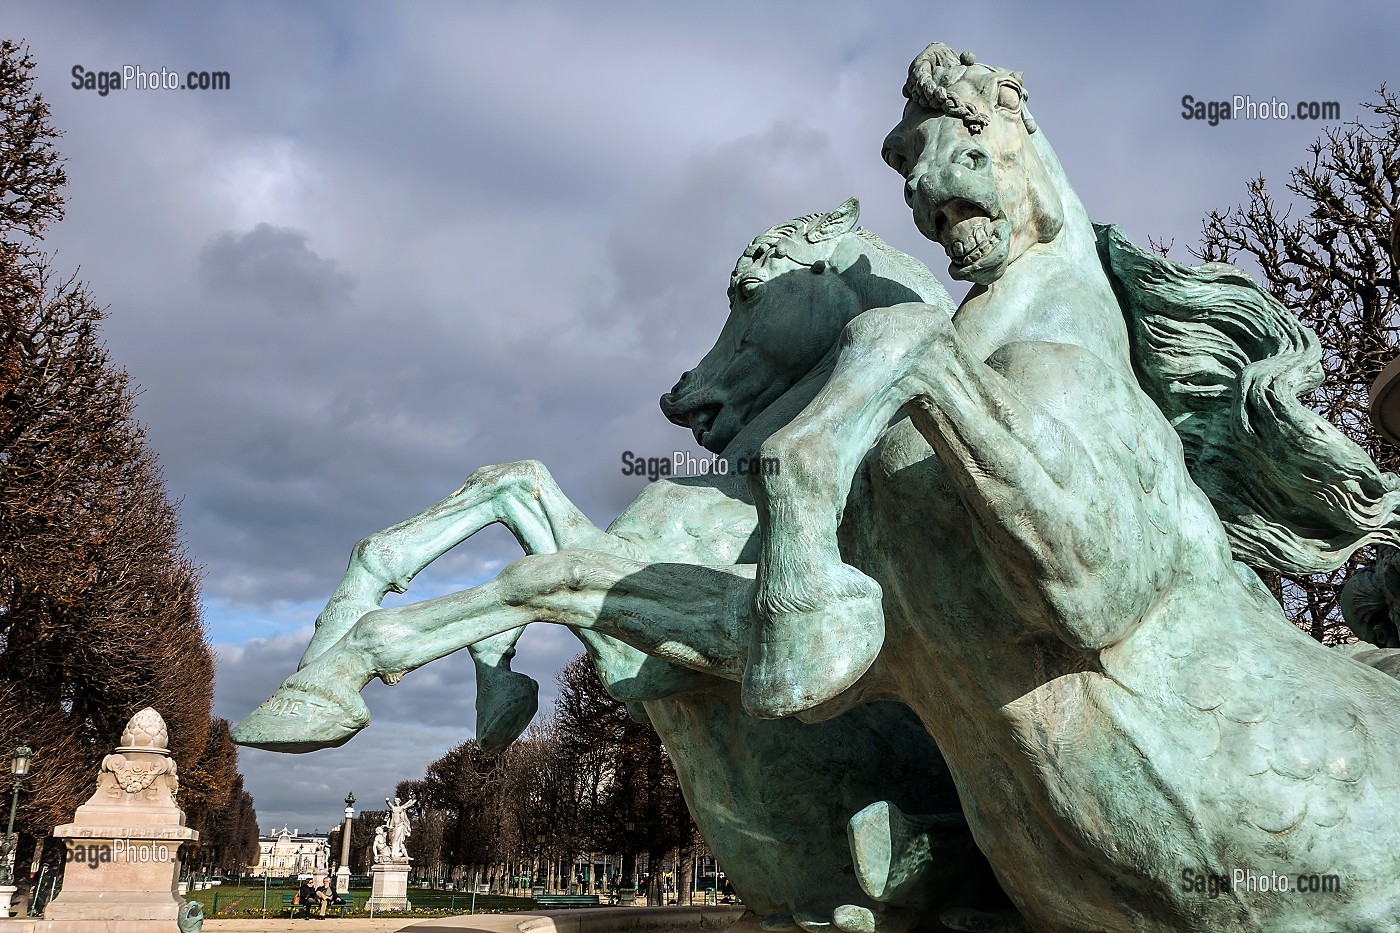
680, 383
974, 157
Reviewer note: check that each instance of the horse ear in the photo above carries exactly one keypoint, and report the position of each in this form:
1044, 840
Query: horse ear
838, 222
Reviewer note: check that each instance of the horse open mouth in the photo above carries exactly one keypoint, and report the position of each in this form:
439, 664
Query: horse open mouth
700, 418
969, 234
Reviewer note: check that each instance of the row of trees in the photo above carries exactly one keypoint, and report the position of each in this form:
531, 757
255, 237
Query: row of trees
217, 805
99, 611
586, 782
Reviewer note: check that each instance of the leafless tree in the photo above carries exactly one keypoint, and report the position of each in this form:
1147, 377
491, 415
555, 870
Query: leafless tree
1328, 250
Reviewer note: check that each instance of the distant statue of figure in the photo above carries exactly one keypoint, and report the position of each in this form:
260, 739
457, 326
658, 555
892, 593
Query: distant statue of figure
382, 852
398, 827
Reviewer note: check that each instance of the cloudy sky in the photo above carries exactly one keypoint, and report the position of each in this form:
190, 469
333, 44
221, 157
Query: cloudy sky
413, 239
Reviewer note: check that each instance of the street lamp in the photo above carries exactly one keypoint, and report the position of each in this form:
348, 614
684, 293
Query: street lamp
19, 768
342, 874
540, 867
631, 853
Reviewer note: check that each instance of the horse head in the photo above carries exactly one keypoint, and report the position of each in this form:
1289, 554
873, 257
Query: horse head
976, 183
793, 290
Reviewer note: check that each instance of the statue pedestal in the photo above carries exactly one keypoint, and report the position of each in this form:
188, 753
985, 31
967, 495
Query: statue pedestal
7, 891
124, 843
389, 890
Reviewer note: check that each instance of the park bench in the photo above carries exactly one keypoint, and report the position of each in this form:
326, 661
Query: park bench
339, 909
547, 901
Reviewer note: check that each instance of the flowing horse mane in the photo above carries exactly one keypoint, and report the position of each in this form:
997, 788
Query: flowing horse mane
891, 273
937, 68
1226, 362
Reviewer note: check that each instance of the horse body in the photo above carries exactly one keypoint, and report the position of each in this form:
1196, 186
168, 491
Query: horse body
1191, 743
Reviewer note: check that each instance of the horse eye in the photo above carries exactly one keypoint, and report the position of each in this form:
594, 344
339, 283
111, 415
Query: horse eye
1009, 96
819, 266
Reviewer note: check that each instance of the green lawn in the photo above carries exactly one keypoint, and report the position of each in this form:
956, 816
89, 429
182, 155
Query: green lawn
249, 900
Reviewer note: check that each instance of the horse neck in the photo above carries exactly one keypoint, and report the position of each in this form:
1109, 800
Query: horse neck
1055, 292
781, 412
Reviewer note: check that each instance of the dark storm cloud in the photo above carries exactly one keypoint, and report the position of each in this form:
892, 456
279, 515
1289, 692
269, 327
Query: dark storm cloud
416, 239
273, 266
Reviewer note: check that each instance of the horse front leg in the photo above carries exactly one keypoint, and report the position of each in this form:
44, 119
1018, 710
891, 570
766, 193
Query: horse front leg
1048, 510
818, 623
685, 614
521, 495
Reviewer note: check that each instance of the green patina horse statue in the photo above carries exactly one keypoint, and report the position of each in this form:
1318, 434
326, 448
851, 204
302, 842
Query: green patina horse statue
1091, 442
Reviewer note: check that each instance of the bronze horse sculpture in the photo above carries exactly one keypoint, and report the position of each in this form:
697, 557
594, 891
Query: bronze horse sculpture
1024, 523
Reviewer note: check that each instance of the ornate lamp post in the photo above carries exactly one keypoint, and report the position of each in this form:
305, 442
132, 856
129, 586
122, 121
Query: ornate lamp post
342, 874
19, 770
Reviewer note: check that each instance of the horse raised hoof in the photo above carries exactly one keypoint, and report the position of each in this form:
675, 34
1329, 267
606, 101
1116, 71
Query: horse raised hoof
506, 702
304, 718
801, 658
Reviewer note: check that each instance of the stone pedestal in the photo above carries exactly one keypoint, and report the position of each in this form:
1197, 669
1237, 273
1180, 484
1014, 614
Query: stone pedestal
1385, 400
124, 843
7, 891
389, 890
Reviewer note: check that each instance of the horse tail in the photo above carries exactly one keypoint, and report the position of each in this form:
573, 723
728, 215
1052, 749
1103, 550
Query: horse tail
1226, 363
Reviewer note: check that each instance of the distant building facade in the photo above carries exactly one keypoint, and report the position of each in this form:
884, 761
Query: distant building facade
292, 852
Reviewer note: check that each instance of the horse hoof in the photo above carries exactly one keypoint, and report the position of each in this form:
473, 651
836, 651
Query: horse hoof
506, 702
848, 918
852, 918
295, 719
801, 659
